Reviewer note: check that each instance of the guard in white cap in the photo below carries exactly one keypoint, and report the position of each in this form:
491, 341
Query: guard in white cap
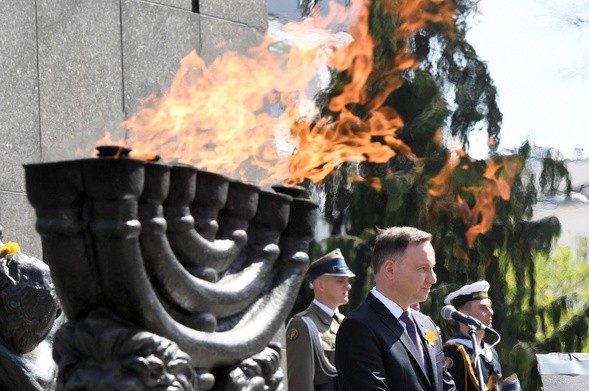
472, 300
310, 335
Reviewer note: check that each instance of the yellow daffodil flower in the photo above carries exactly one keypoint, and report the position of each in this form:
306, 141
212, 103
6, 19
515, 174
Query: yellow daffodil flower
431, 336
9, 248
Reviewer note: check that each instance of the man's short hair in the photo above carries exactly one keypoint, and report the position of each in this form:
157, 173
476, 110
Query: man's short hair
392, 242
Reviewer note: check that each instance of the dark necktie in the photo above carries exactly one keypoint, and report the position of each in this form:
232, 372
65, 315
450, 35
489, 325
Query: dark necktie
412, 331
334, 324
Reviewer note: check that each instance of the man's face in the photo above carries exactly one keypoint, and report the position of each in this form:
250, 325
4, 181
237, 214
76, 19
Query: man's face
333, 290
413, 274
481, 310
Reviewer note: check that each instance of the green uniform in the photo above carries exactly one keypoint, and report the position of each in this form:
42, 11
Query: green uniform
310, 350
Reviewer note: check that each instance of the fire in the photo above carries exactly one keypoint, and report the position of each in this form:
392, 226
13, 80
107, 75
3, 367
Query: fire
496, 182
375, 183
254, 116
440, 185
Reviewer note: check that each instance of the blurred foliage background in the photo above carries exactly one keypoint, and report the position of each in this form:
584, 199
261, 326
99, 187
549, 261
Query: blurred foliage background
537, 291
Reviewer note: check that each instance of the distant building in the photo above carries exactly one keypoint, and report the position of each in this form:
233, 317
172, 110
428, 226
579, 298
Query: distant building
573, 211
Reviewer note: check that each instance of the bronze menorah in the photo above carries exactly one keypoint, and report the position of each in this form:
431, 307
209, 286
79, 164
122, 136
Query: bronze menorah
193, 257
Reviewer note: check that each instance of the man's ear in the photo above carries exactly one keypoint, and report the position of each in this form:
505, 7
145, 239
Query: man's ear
318, 283
389, 268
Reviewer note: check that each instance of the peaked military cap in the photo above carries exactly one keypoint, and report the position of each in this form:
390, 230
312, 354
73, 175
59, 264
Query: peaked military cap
475, 291
331, 264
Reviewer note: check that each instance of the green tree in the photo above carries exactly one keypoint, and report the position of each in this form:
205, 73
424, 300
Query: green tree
453, 87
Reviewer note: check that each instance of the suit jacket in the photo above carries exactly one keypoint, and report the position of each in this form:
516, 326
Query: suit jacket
374, 353
304, 370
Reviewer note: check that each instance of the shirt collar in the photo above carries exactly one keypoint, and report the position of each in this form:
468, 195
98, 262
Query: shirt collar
393, 307
325, 308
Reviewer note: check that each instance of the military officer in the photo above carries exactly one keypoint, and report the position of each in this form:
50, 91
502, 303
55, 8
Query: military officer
310, 334
472, 300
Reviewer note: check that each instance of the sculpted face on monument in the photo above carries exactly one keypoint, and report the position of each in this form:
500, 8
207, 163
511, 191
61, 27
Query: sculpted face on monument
28, 302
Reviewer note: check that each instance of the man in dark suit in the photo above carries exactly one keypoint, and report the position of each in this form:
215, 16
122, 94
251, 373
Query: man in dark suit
384, 344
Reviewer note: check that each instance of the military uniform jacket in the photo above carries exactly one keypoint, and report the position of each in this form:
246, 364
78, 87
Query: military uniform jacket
311, 364
459, 360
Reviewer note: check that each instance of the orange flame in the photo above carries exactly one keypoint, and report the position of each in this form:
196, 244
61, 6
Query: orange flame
496, 182
254, 117
440, 184
375, 183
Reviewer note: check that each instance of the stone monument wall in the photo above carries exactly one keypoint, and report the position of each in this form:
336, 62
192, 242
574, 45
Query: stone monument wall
71, 70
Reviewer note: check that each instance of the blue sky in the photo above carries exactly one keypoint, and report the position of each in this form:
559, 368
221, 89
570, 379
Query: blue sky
540, 65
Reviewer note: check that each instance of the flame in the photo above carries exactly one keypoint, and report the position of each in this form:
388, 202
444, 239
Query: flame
496, 182
253, 116
440, 184
375, 183
499, 178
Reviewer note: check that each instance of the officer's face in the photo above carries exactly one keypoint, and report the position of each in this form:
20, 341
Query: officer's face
481, 310
412, 276
334, 290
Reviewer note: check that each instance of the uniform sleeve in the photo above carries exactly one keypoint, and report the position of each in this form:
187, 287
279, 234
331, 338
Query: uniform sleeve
299, 356
497, 365
454, 363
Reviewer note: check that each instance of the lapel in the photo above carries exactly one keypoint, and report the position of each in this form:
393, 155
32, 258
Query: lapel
430, 343
324, 318
397, 328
